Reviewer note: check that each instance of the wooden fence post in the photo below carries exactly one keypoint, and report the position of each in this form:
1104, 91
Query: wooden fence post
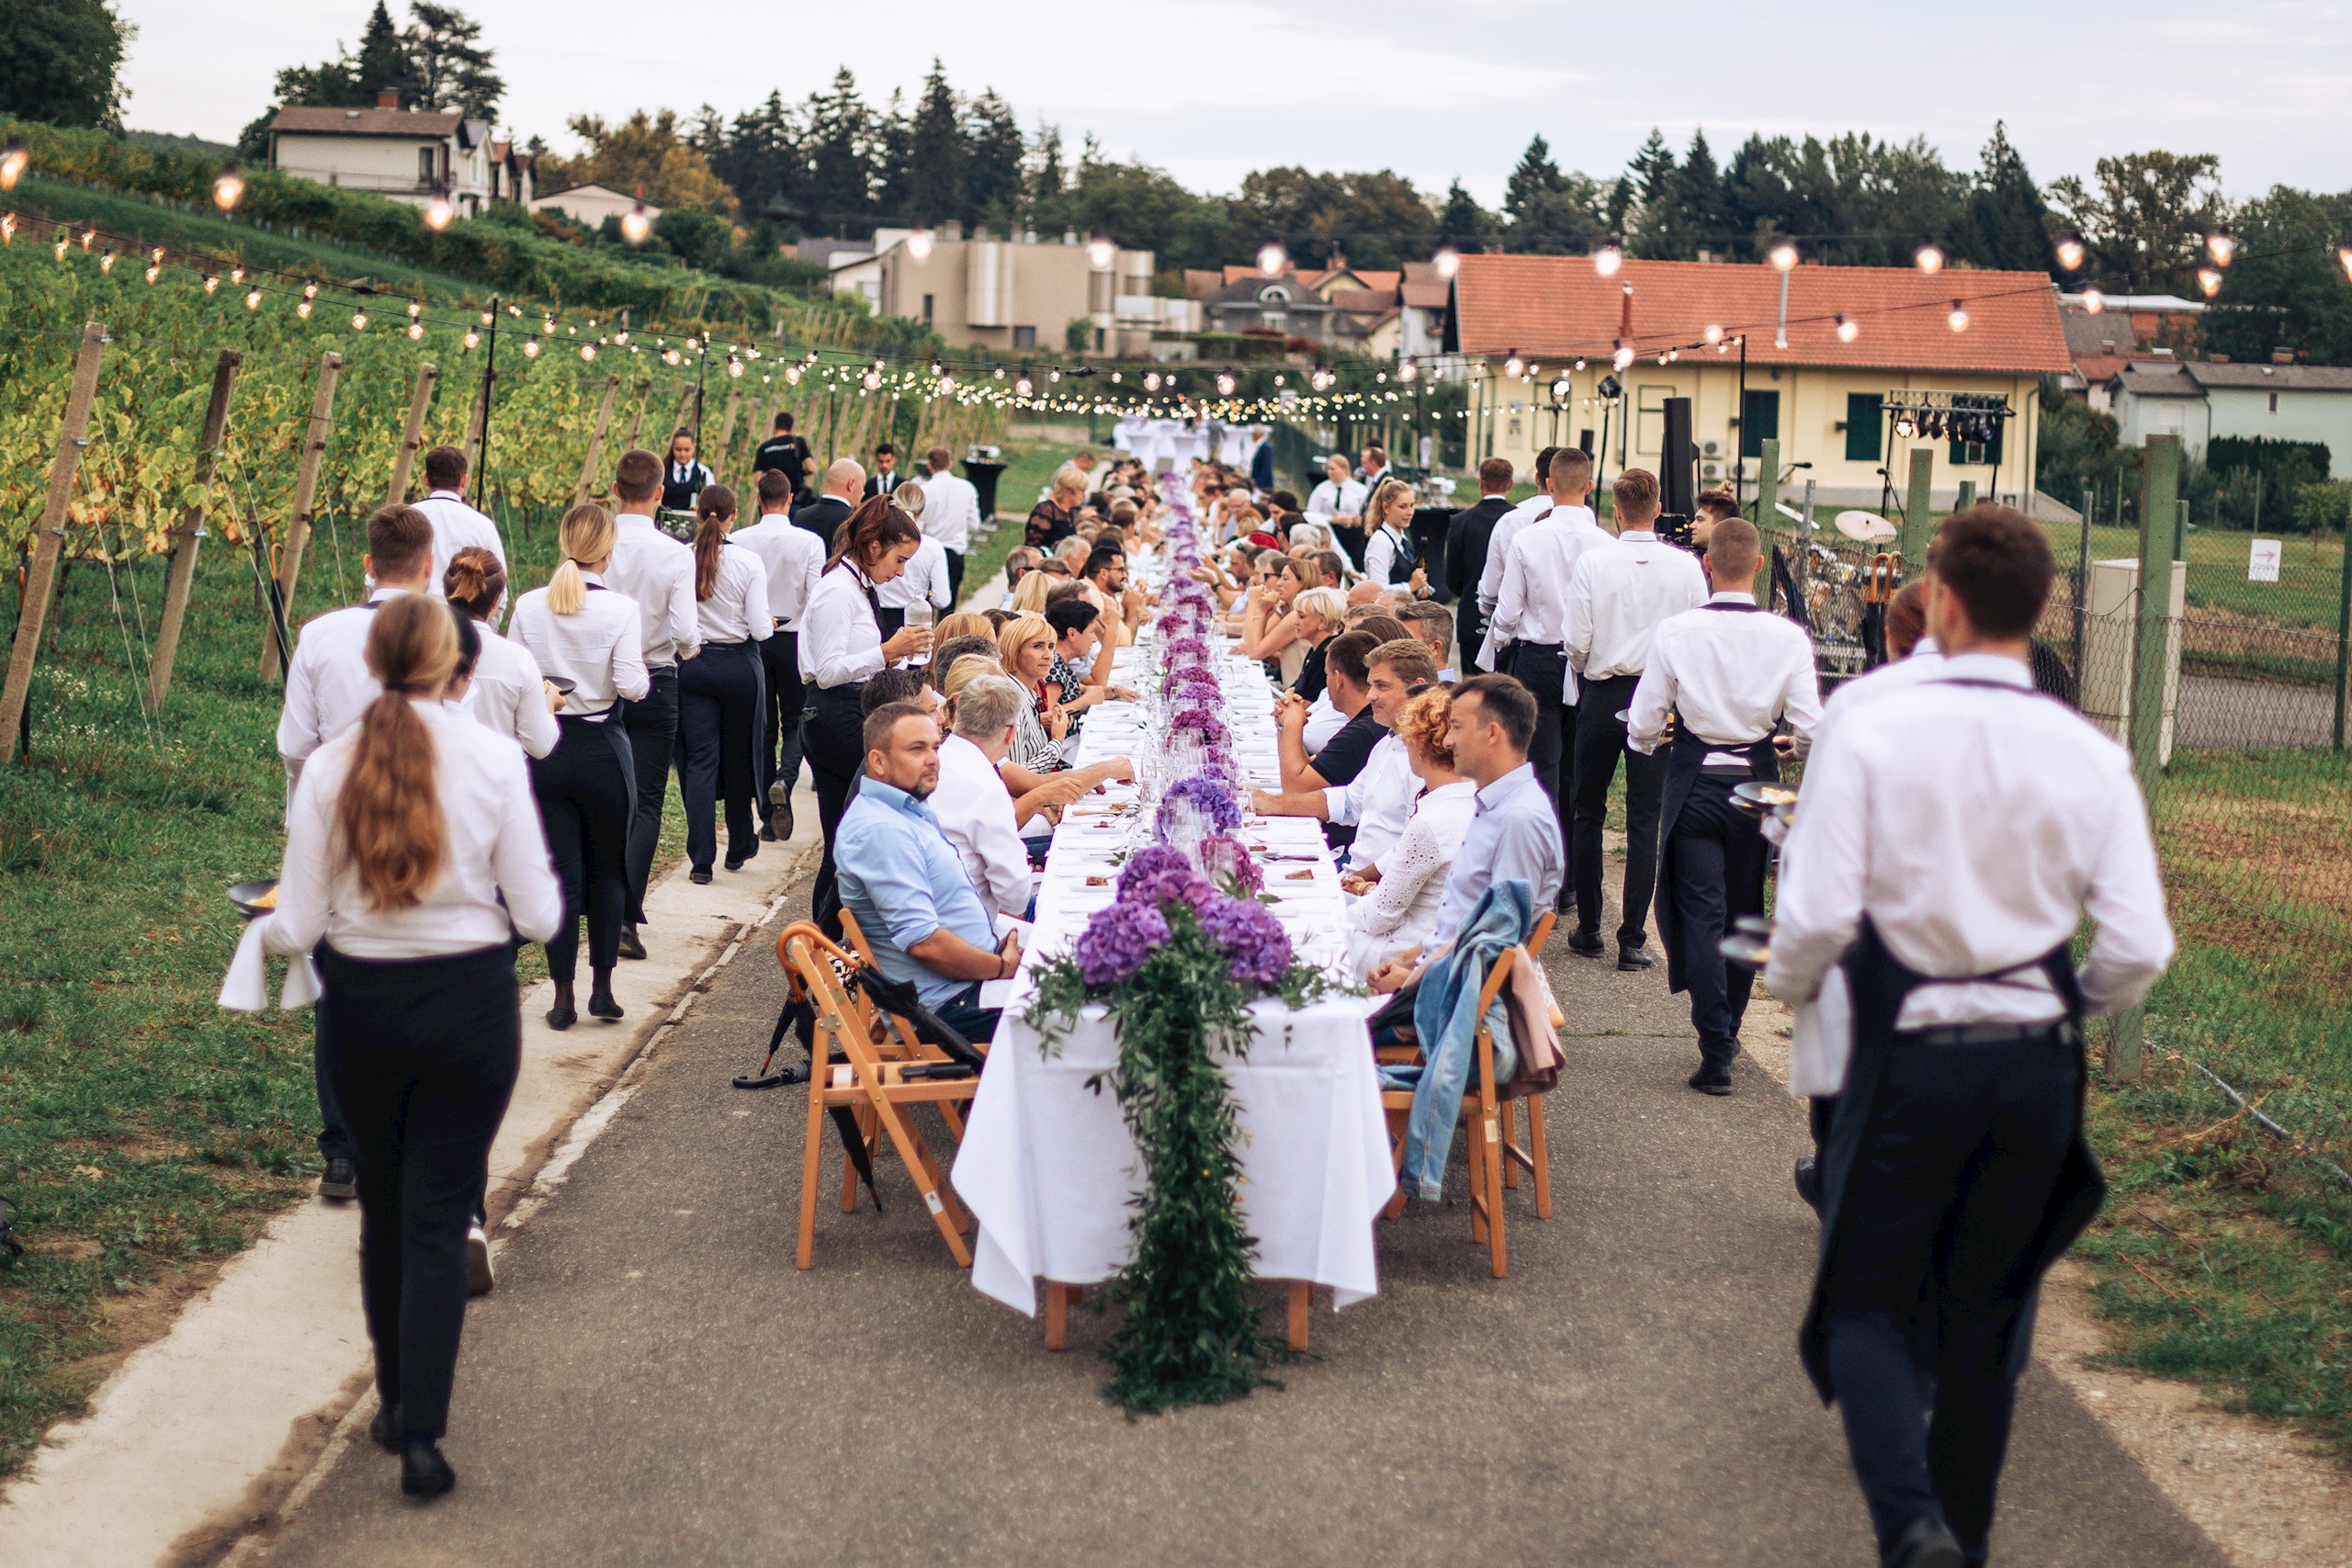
277, 644
477, 424
1767, 498
596, 440
1917, 526
180, 577
412, 437
51, 541
637, 419
2151, 645
725, 432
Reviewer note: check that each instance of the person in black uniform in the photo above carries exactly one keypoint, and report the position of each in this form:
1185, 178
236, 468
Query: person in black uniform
1949, 841
788, 454
885, 478
682, 477
844, 483
1465, 557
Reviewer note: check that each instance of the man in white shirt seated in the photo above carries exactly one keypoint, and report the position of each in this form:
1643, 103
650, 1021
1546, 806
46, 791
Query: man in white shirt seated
975, 806
951, 508
456, 525
1378, 801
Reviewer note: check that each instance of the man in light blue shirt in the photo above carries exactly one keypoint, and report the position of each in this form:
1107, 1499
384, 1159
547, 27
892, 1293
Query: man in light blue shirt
905, 884
1515, 833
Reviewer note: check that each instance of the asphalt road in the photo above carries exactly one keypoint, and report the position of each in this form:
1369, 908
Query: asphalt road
654, 1384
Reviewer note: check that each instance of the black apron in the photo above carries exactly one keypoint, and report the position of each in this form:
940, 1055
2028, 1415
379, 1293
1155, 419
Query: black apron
836, 715
1409, 556
616, 737
1684, 762
681, 487
1879, 982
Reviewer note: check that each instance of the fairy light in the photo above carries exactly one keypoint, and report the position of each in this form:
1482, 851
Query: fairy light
12, 164
2221, 245
437, 212
919, 245
1024, 387
2093, 301
473, 338
1847, 330
303, 309
228, 188
1271, 259
1409, 371
588, 351
1447, 261
1782, 256
1928, 258
359, 320
1607, 260
253, 298
415, 331
1958, 320
106, 261
2071, 252
211, 282
2209, 279
636, 224
531, 349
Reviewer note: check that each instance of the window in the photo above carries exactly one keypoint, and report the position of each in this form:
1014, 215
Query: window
1760, 421
424, 166
1025, 337
926, 309
1650, 418
1862, 422
1098, 339
2274, 403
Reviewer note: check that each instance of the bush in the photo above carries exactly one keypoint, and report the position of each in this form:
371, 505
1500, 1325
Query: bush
2322, 507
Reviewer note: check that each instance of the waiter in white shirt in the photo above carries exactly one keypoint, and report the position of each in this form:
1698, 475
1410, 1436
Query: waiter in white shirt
504, 693
1390, 558
456, 525
1338, 504
720, 697
657, 572
842, 648
1727, 673
925, 580
794, 556
328, 686
1507, 527
1528, 637
951, 510
1621, 593
1949, 844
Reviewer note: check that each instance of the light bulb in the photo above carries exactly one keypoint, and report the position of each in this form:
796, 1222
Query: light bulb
359, 320
416, 309
587, 351
236, 275
1447, 261
437, 212
1783, 254
2221, 245
2344, 260
946, 386
88, 236
1100, 252
7, 228
1713, 334
253, 298
415, 331
619, 338
1407, 371
1959, 317
1607, 260
672, 356
1514, 367
792, 375
1928, 258
734, 368
1224, 384
2209, 278
2070, 251
636, 224
106, 261
531, 349
1623, 357
1025, 386
12, 162
1152, 381
228, 188
154, 272
2093, 301
310, 290
1270, 258
1847, 331
303, 310
919, 245
64, 245
473, 338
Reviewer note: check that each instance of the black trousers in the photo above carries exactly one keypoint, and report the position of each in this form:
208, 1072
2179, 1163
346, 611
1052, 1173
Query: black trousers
836, 742
1714, 847
424, 1053
653, 740
1542, 669
583, 801
780, 715
718, 702
334, 1133
1601, 741
1922, 1285
954, 578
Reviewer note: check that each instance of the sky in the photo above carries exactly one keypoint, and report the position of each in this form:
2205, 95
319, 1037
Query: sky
1210, 89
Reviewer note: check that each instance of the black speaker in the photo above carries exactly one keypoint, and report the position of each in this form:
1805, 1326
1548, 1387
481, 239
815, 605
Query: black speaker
1583, 441
1678, 462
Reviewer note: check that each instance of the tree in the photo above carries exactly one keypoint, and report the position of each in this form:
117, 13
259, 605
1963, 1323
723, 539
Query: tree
1550, 213
1653, 175
1045, 182
60, 61
642, 153
994, 177
935, 155
1536, 177
447, 63
840, 172
2147, 218
1463, 223
2287, 289
891, 159
349, 81
2005, 223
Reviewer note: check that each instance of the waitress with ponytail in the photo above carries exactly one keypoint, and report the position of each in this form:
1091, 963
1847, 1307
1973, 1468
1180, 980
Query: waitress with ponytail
505, 691
842, 648
576, 628
719, 690
413, 861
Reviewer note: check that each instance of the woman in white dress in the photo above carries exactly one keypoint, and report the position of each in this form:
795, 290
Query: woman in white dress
1397, 896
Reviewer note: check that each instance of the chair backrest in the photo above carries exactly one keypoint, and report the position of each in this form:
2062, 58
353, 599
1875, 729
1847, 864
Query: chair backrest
840, 1022
1540, 932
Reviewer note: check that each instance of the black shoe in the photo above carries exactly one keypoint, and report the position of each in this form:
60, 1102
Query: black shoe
1808, 1179
737, 862
561, 1017
425, 1475
481, 1274
630, 946
1586, 944
384, 1431
341, 1182
1925, 1544
700, 875
1634, 957
601, 1005
1711, 1080
767, 832
781, 819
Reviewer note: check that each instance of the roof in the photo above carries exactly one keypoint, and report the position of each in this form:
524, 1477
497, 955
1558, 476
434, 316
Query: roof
1362, 302
1202, 282
1379, 282
414, 124
1431, 296
1244, 291
2150, 304
2157, 379
2109, 332
1560, 305
2272, 377
2097, 369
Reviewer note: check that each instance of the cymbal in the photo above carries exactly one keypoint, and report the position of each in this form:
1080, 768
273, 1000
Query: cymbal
1865, 527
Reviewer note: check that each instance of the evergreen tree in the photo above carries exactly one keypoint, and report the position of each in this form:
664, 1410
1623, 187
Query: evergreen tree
1698, 220
2006, 224
1536, 177
451, 71
1464, 224
994, 153
383, 64
1047, 183
1653, 173
934, 167
839, 169
891, 161
59, 61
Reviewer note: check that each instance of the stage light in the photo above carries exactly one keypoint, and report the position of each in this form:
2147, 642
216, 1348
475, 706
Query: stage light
2093, 301
2221, 245
1100, 252
1928, 258
1270, 258
2072, 251
1447, 261
2209, 279
228, 188
1607, 260
1958, 320
1783, 254
1903, 428
1847, 331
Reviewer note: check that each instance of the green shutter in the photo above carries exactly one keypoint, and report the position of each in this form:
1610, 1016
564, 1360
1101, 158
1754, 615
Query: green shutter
1760, 421
1862, 427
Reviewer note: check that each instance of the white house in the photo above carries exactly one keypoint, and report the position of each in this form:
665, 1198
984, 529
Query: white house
406, 154
2199, 400
590, 205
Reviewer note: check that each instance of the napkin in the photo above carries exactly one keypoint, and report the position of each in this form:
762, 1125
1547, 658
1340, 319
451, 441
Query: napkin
247, 987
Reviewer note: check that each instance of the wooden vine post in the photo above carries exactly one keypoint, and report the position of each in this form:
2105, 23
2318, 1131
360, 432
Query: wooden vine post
686, 402
726, 428
277, 639
49, 542
596, 441
180, 576
637, 419
412, 437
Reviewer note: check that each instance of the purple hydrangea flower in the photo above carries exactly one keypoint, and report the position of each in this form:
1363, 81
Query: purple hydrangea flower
1223, 855
1211, 728
1207, 796
1250, 936
1117, 941
1184, 650
1147, 864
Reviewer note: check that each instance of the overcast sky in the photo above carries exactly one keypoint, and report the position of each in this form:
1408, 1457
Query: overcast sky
1209, 89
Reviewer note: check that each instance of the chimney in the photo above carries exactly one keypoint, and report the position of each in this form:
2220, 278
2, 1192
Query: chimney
388, 100
2282, 357
1626, 315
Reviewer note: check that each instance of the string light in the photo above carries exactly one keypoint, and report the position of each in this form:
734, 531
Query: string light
1225, 384
588, 352
919, 245
672, 356
636, 224
1407, 371
1152, 381
1847, 331
236, 275
1447, 261
620, 337
1024, 387
154, 272
1782, 256
2209, 280
228, 188
416, 309
734, 368
1608, 259
88, 235
359, 320
310, 290
63, 244
2221, 245
437, 212
1958, 320
473, 338
792, 375
1271, 259
1514, 367
1713, 334
415, 331
12, 164
1928, 258
211, 282
106, 261
253, 298
1623, 358
946, 386
2093, 301
303, 310
7, 228
531, 349
2072, 251
1100, 252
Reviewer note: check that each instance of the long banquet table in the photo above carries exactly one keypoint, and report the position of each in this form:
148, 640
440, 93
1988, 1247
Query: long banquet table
1046, 1164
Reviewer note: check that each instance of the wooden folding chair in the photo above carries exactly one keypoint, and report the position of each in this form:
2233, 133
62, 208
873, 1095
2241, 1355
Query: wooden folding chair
875, 1051
1495, 1159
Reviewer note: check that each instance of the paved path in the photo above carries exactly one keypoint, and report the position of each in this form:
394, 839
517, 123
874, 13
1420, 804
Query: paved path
655, 1383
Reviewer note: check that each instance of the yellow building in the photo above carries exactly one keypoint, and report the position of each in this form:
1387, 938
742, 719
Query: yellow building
1850, 368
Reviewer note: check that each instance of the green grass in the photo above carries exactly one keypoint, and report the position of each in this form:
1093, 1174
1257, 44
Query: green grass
2306, 594
146, 1130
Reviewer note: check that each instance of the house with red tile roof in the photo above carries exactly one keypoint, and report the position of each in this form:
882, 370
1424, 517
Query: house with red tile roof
1820, 358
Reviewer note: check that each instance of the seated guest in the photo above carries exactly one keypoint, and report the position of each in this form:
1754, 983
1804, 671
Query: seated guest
1433, 624
1318, 612
1026, 648
1077, 647
1397, 896
1035, 591
1018, 565
976, 811
1371, 808
1348, 671
964, 623
950, 649
963, 667
902, 880
1324, 720
1514, 833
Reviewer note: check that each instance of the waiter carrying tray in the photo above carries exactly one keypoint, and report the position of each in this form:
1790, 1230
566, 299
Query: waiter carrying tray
1951, 841
1728, 673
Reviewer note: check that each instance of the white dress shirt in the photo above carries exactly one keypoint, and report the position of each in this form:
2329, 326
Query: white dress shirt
1506, 529
1328, 500
840, 645
975, 810
1542, 557
951, 508
1974, 827
1620, 596
1401, 909
508, 696
1732, 674
1380, 553
657, 573
495, 880
456, 526
793, 555
1323, 721
924, 579
1378, 802
737, 610
1876, 685
595, 648
328, 683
